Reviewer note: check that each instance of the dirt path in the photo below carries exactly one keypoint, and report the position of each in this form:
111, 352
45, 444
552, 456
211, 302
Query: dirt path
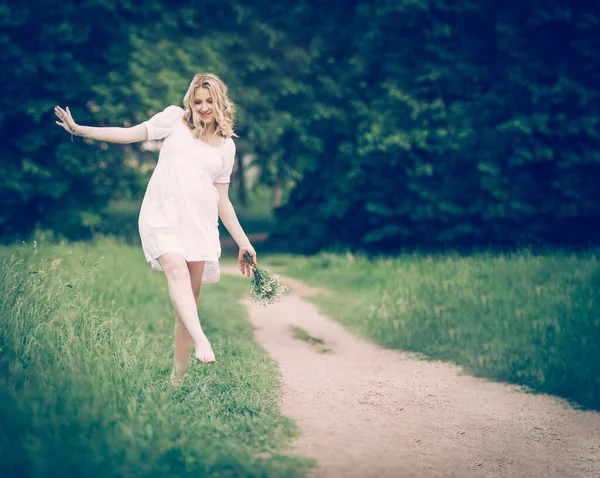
368, 412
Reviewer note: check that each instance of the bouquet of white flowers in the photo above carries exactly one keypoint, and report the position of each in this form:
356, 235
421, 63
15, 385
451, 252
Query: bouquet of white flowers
265, 288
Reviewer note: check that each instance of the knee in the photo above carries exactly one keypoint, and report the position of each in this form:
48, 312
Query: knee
174, 271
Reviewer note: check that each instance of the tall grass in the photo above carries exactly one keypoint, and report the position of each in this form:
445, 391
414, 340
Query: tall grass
529, 319
86, 342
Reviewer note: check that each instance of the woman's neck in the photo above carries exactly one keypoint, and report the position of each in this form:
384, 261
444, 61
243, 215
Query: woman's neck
209, 132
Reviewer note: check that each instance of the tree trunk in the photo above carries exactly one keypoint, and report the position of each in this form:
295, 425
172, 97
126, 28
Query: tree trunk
276, 194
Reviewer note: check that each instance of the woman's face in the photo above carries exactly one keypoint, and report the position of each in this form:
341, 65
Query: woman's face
203, 104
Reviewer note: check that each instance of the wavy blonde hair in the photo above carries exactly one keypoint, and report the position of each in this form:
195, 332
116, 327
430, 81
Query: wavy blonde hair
223, 107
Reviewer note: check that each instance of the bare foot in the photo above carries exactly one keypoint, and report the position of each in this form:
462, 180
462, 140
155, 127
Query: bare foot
176, 380
204, 351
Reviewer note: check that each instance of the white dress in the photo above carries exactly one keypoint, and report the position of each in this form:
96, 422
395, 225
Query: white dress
179, 212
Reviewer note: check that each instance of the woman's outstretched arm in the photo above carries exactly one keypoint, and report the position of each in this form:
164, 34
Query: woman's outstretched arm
107, 134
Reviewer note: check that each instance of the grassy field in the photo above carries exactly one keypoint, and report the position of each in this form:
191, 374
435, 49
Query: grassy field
86, 344
526, 319
86, 335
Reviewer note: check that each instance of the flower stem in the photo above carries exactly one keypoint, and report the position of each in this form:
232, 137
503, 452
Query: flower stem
248, 258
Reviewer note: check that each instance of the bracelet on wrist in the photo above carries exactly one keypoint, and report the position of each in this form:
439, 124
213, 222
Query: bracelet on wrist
74, 132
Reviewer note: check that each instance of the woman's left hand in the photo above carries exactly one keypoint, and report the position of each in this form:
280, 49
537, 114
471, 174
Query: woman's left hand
243, 265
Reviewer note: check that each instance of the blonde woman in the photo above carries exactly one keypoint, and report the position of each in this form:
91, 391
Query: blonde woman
187, 193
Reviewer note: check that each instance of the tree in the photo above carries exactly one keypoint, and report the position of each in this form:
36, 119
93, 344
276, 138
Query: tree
472, 123
54, 53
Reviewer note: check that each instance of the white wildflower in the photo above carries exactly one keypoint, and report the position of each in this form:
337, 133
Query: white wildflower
265, 288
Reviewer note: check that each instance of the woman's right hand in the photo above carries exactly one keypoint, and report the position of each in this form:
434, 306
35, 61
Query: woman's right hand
67, 121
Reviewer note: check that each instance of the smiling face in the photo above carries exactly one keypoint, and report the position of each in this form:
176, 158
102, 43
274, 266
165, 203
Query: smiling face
203, 104
208, 109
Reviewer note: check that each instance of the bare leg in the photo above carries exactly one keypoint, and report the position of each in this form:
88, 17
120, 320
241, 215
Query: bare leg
183, 343
182, 296
182, 349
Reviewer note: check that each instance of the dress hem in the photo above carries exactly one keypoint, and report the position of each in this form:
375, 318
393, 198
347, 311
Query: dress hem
211, 274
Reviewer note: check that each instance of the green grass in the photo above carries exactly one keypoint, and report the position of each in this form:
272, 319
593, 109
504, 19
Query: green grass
521, 318
86, 348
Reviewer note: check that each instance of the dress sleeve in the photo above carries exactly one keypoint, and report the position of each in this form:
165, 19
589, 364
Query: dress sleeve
228, 160
161, 124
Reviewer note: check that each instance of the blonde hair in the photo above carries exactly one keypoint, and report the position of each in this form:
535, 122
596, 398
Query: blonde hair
223, 107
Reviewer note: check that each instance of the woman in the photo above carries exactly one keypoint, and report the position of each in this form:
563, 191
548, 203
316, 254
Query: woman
187, 193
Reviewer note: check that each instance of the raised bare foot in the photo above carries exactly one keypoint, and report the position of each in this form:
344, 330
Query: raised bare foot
204, 351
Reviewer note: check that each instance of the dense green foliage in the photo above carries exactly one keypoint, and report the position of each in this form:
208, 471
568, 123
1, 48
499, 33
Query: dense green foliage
453, 122
53, 53
521, 318
86, 336
393, 122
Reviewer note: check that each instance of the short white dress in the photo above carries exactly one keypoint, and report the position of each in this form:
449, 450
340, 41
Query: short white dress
179, 212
